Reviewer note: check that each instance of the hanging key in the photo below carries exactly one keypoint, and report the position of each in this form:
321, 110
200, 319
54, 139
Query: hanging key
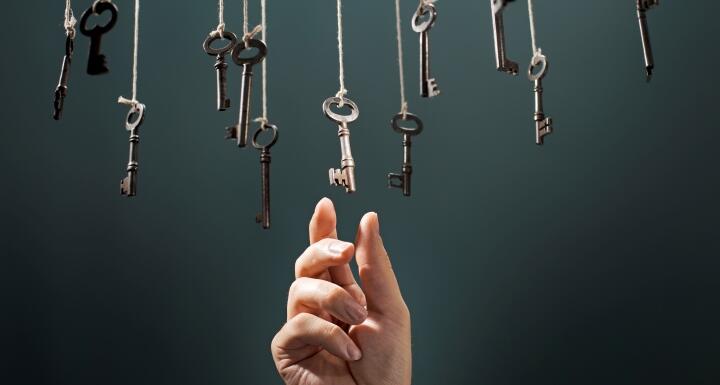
264, 217
97, 64
345, 175
240, 130
61, 89
223, 102
642, 6
501, 61
422, 21
135, 117
537, 71
403, 181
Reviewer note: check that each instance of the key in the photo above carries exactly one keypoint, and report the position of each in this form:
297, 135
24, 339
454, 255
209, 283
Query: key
642, 6
240, 130
264, 217
501, 61
402, 181
345, 175
61, 89
543, 124
428, 85
97, 64
135, 117
223, 102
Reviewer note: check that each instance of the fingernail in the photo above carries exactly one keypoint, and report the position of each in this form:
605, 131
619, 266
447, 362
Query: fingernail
356, 312
338, 247
353, 352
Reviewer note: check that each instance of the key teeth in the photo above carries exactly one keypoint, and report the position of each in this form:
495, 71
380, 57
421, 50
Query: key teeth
125, 187
433, 89
543, 128
233, 132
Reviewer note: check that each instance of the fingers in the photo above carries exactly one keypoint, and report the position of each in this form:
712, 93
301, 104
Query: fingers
305, 331
376, 273
322, 255
323, 222
309, 295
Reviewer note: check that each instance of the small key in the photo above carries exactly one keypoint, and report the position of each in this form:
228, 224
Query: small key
402, 181
543, 125
97, 64
264, 217
61, 89
223, 102
642, 6
345, 175
428, 85
501, 61
135, 117
240, 130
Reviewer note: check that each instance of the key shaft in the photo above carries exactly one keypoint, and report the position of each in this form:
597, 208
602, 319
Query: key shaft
62, 87
642, 7
502, 63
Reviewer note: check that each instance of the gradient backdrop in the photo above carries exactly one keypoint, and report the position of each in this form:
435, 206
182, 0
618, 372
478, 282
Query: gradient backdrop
591, 260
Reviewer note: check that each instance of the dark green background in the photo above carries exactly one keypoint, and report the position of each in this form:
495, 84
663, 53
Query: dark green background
591, 260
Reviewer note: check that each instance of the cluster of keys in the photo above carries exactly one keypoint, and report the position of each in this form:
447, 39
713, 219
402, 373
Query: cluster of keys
245, 53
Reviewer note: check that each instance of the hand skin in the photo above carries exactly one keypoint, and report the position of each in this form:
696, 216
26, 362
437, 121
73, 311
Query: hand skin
316, 346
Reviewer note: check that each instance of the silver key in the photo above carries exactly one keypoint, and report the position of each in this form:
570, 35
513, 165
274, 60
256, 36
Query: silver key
428, 85
345, 175
403, 181
543, 124
642, 6
240, 130
501, 61
135, 117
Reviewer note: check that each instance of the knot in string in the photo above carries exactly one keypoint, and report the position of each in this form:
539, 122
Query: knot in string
249, 35
70, 21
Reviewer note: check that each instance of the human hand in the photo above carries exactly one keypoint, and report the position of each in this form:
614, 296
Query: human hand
337, 332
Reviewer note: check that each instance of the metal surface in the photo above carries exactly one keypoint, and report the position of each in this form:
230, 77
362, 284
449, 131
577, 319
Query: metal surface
264, 217
97, 64
223, 102
428, 85
135, 117
345, 175
240, 130
61, 89
403, 180
642, 6
536, 72
501, 61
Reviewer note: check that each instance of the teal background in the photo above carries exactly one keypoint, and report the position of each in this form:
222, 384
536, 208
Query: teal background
591, 260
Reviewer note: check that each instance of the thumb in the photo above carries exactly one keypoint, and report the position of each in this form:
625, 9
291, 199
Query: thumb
378, 278
323, 222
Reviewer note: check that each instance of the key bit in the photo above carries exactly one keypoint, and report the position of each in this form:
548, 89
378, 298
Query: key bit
403, 181
345, 175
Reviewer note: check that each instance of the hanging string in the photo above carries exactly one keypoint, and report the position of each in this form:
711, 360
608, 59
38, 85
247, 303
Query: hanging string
70, 20
531, 15
342, 91
247, 35
134, 101
403, 101
263, 23
221, 18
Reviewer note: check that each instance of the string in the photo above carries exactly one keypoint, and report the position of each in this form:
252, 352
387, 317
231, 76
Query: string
263, 23
247, 35
342, 91
403, 101
70, 20
221, 18
134, 101
531, 15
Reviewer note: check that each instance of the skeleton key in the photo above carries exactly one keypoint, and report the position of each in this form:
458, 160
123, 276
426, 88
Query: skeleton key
428, 86
135, 117
223, 102
240, 130
345, 175
543, 125
642, 6
96, 61
403, 180
501, 61
61, 89
264, 217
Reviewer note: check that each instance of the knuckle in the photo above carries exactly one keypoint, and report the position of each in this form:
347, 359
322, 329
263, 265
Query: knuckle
333, 296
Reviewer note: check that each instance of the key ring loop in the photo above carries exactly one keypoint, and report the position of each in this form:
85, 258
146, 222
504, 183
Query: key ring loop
249, 43
137, 111
215, 36
337, 118
538, 60
424, 9
264, 128
395, 122
99, 7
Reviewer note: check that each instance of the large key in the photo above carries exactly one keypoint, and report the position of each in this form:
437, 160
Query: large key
240, 130
264, 217
642, 6
543, 124
422, 21
345, 175
135, 117
223, 102
96, 61
501, 61
402, 181
61, 89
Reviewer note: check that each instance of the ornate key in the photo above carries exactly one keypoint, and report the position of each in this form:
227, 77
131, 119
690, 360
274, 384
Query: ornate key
402, 181
61, 89
264, 217
223, 102
642, 6
502, 62
543, 125
96, 61
135, 117
345, 175
428, 85
240, 130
